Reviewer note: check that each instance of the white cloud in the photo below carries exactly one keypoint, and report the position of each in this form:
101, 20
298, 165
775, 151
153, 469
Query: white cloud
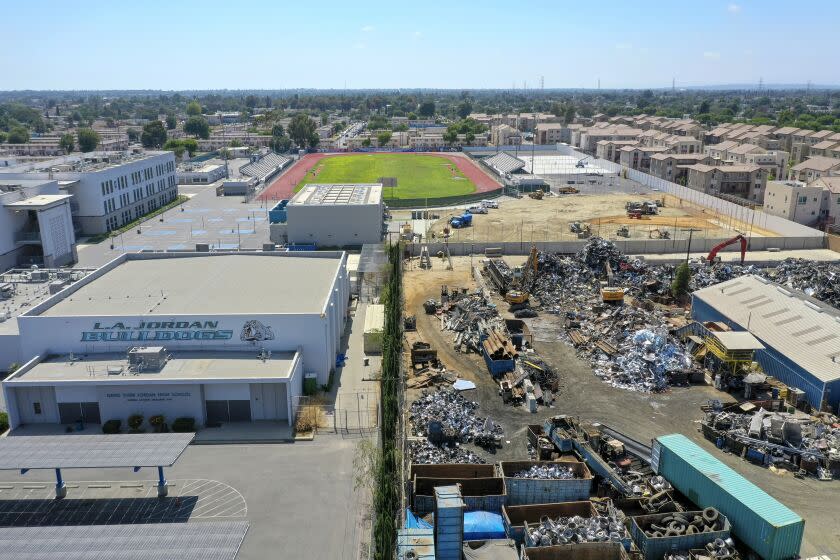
367, 28
624, 46
360, 46
733, 8
713, 55
417, 35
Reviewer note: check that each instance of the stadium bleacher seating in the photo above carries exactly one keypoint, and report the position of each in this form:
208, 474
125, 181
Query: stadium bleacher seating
265, 167
503, 162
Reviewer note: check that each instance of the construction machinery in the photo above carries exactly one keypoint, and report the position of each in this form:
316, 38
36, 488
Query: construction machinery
581, 163
522, 278
623, 231
713, 253
536, 194
582, 230
647, 207
515, 297
610, 293
568, 190
657, 233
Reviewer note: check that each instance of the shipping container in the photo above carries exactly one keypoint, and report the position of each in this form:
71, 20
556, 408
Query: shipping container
772, 530
525, 491
416, 544
497, 367
655, 548
580, 551
374, 329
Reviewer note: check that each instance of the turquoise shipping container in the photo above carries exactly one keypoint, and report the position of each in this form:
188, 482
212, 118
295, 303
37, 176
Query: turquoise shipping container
758, 520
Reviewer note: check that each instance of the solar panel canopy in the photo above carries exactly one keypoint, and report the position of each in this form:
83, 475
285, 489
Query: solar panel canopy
152, 541
92, 451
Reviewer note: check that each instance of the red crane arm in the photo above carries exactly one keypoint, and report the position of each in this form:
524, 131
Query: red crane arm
713, 253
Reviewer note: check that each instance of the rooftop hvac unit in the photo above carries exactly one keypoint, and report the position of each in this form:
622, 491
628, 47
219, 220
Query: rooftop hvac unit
147, 358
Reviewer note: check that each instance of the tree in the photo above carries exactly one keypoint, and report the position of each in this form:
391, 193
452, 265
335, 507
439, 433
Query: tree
427, 109
464, 109
569, 114
383, 138
301, 129
175, 146
366, 143
191, 145
197, 126
378, 122
469, 138
193, 108
704, 107
251, 101
450, 136
18, 135
277, 130
682, 278
154, 135
133, 134
88, 139
281, 143
67, 143
171, 122
3, 136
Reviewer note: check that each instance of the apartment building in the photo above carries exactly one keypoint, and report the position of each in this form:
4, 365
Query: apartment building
611, 149
826, 148
832, 187
109, 189
505, 135
814, 168
638, 157
588, 138
797, 202
674, 167
552, 133
742, 181
36, 225
217, 141
720, 151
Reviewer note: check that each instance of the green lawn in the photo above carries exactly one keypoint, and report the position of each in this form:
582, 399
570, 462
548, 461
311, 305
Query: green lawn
418, 176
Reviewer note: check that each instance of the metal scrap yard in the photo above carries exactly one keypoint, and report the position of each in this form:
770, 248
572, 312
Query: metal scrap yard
525, 361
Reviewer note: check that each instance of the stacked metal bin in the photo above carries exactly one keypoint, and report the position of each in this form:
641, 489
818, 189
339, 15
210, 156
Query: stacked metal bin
655, 548
478, 494
515, 517
525, 491
416, 544
581, 551
772, 530
449, 523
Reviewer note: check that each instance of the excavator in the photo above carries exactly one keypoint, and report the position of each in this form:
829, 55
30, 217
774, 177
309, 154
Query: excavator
713, 253
523, 277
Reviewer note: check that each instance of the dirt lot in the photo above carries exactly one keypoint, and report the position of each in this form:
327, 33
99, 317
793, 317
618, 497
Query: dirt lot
642, 416
528, 220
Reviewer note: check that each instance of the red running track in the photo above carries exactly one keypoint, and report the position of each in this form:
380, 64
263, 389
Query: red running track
283, 187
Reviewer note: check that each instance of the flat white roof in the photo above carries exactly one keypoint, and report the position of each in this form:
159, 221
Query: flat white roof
39, 201
738, 340
208, 283
189, 367
806, 332
316, 194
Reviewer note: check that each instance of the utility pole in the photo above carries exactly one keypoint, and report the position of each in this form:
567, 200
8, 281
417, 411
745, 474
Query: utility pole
690, 235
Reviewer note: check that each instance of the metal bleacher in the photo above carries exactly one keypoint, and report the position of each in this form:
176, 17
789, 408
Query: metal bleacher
265, 167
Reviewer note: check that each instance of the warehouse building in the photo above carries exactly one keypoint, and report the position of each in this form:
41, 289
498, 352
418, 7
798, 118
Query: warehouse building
330, 216
216, 337
801, 335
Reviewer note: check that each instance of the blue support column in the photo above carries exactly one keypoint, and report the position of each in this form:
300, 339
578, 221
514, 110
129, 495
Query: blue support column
162, 489
60, 488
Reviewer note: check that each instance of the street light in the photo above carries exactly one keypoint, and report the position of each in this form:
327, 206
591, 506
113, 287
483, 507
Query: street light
690, 235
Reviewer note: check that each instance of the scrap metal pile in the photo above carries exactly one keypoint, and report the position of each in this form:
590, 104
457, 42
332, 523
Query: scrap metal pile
547, 472
776, 436
576, 529
424, 452
445, 417
469, 317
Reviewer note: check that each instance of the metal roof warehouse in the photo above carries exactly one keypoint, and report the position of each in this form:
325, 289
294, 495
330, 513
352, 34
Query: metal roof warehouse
216, 337
801, 336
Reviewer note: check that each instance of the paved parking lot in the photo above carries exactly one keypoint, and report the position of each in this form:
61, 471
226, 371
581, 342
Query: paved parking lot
223, 222
298, 498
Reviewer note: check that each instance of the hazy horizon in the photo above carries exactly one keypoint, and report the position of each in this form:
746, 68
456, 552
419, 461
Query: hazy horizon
92, 45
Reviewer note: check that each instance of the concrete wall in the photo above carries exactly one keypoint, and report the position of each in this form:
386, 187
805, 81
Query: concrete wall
173, 401
57, 237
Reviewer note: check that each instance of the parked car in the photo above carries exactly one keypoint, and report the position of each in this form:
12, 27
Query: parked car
489, 203
477, 210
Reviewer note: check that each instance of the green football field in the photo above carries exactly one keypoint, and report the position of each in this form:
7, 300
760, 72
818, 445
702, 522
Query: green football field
418, 176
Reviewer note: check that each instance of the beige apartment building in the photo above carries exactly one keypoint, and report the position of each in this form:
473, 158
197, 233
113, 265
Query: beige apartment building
797, 202
814, 168
674, 167
742, 181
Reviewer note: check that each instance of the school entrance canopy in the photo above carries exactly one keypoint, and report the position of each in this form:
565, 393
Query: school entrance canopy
147, 541
93, 451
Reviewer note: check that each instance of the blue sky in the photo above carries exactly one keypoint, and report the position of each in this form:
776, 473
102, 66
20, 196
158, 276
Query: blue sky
185, 44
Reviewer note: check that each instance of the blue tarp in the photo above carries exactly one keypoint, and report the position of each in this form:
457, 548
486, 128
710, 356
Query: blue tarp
414, 522
483, 525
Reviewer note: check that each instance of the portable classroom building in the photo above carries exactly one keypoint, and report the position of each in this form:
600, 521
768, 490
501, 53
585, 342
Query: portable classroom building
772, 530
374, 328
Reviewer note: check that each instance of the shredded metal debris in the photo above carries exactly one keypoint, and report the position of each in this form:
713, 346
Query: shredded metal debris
550, 472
